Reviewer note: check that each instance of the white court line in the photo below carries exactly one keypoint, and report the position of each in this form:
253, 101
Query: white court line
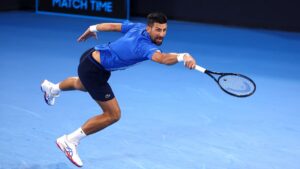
136, 163
23, 110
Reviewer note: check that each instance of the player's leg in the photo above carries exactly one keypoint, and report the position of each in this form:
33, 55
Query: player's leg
51, 90
94, 79
111, 114
68, 143
71, 83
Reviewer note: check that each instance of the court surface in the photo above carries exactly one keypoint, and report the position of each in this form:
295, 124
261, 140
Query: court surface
172, 117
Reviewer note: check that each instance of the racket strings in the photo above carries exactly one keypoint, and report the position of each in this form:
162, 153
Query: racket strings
236, 85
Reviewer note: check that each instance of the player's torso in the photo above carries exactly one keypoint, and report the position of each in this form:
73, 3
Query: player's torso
129, 46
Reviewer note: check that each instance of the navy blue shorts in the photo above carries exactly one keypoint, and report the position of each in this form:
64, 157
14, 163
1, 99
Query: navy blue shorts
94, 77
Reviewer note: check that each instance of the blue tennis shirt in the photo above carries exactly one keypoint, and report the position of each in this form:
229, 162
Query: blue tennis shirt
134, 47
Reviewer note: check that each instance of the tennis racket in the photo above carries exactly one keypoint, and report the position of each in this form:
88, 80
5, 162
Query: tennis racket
234, 84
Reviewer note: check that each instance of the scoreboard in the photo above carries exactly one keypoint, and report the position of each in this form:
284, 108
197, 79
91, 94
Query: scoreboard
112, 9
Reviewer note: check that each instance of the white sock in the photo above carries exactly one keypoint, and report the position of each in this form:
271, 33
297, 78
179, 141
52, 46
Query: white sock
55, 89
76, 136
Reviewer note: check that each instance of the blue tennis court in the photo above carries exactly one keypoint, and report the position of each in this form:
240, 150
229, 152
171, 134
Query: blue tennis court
172, 117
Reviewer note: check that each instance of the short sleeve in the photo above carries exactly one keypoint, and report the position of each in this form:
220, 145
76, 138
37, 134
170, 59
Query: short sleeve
126, 26
151, 52
146, 50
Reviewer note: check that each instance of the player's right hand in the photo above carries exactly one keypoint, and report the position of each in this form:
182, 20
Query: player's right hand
189, 62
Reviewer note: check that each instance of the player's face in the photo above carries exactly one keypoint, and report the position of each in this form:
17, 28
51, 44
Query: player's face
157, 32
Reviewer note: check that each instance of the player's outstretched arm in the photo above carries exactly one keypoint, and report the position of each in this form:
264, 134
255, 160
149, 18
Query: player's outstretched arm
92, 30
173, 58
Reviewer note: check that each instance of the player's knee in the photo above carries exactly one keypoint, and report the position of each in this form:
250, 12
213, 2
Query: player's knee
115, 115
78, 85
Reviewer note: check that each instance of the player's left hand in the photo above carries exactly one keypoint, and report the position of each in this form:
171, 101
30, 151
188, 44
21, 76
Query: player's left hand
87, 34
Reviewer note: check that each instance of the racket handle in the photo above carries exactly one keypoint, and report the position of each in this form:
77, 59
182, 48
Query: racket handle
200, 69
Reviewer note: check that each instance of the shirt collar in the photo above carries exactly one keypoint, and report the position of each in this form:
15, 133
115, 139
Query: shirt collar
147, 35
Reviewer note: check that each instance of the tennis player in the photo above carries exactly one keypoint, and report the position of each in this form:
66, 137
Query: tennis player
140, 42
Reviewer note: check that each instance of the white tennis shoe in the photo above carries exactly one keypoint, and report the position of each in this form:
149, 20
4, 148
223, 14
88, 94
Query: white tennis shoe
69, 149
49, 97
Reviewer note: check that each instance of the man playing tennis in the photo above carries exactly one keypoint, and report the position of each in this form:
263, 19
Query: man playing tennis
140, 42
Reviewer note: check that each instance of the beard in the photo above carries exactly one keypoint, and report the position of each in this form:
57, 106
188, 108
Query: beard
158, 41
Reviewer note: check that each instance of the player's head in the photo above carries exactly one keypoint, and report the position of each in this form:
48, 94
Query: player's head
157, 27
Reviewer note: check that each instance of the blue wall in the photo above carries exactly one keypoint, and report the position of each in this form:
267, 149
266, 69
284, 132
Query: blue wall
272, 14
275, 14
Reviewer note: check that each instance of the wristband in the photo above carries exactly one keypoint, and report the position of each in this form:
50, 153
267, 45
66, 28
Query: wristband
180, 57
93, 28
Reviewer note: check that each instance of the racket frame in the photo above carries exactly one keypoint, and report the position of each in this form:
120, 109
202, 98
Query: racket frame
211, 74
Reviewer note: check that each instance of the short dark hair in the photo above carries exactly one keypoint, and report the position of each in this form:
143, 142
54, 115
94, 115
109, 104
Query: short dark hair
156, 17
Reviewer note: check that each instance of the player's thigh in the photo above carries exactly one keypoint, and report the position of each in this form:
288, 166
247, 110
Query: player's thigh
110, 106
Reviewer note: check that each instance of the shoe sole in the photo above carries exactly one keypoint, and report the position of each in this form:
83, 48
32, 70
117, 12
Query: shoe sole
45, 94
62, 149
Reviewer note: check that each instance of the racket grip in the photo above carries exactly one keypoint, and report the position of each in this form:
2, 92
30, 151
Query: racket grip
200, 69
